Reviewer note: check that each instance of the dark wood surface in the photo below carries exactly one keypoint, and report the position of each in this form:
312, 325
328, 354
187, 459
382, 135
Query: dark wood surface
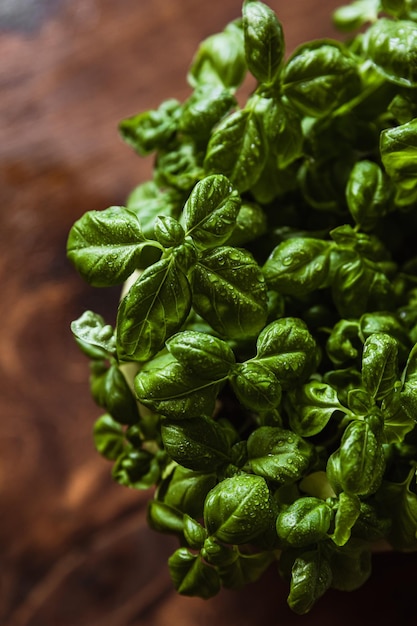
75, 548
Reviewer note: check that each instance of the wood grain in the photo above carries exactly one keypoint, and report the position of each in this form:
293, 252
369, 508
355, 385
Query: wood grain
75, 547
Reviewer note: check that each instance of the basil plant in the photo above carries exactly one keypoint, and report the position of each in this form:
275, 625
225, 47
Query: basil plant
261, 376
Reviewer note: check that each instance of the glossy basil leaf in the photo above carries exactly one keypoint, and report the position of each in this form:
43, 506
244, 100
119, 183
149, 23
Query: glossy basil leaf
389, 323
149, 201
186, 490
359, 286
287, 348
95, 338
305, 521
108, 437
399, 413
105, 246
194, 533
237, 149
172, 391
179, 168
298, 266
155, 307
311, 406
380, 365
342, 344
203, 354
362, 461
207, 105
250, 223
210, 212
168, 231
192, 576
319, 77
245, 569
238, 509
165, 518
278, 454
390, 45
229, 292
220, 60
350, 565
347, 513
138, 469
151, 130
264, 41
255, 386
354, 15
198, 444
400, 500
367, 194
311, 576
398, 147
111, 391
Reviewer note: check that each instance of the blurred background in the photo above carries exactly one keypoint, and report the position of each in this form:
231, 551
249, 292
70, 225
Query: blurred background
74, 547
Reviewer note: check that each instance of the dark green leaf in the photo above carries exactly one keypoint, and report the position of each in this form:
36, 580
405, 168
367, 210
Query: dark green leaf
204, 355
237, 149
95, 338
391, 46
398, 147
210, 212
245, 569
187, 490
288, 350
278, 454
319, 77
305, 521
192, 576
108, 437
298, 266
136, 468
350, 565
198, 444
204, 109
347, 513
165, 518
367, 194
111, 391
264, 41
400, 500
229, 292
311, 576
105, 246
168, 231
151, 130
256, 386
155, 308
238, 509
380, 365
311, 407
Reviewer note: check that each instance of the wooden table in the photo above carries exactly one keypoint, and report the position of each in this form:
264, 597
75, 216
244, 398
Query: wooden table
75, 548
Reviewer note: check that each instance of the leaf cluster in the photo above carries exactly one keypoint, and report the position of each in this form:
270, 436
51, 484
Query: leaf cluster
262, 371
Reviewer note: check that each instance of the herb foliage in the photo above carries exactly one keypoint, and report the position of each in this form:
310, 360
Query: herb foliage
262, 373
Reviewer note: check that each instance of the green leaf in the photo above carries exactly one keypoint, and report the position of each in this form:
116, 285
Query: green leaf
311, 407
95, 338
305, 521
350, 565
354, 15
245, 569
400, 500
204, 355
210, 212
148, 201
347, 513
311, 576
108, 437
207, 105
255, 386
398, 147
319, 77
238, 509
237, 149
250, 224
172, 391
264, 41
151, 130
220, 60
155, 308
192, 576
179, 168
111, 391
168, 231
380, 365
278, 454
105, 246
390, 45
286, 347
367, 194
229, 292
198, 444
165, 518
298, 266
138, 469
186, 490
